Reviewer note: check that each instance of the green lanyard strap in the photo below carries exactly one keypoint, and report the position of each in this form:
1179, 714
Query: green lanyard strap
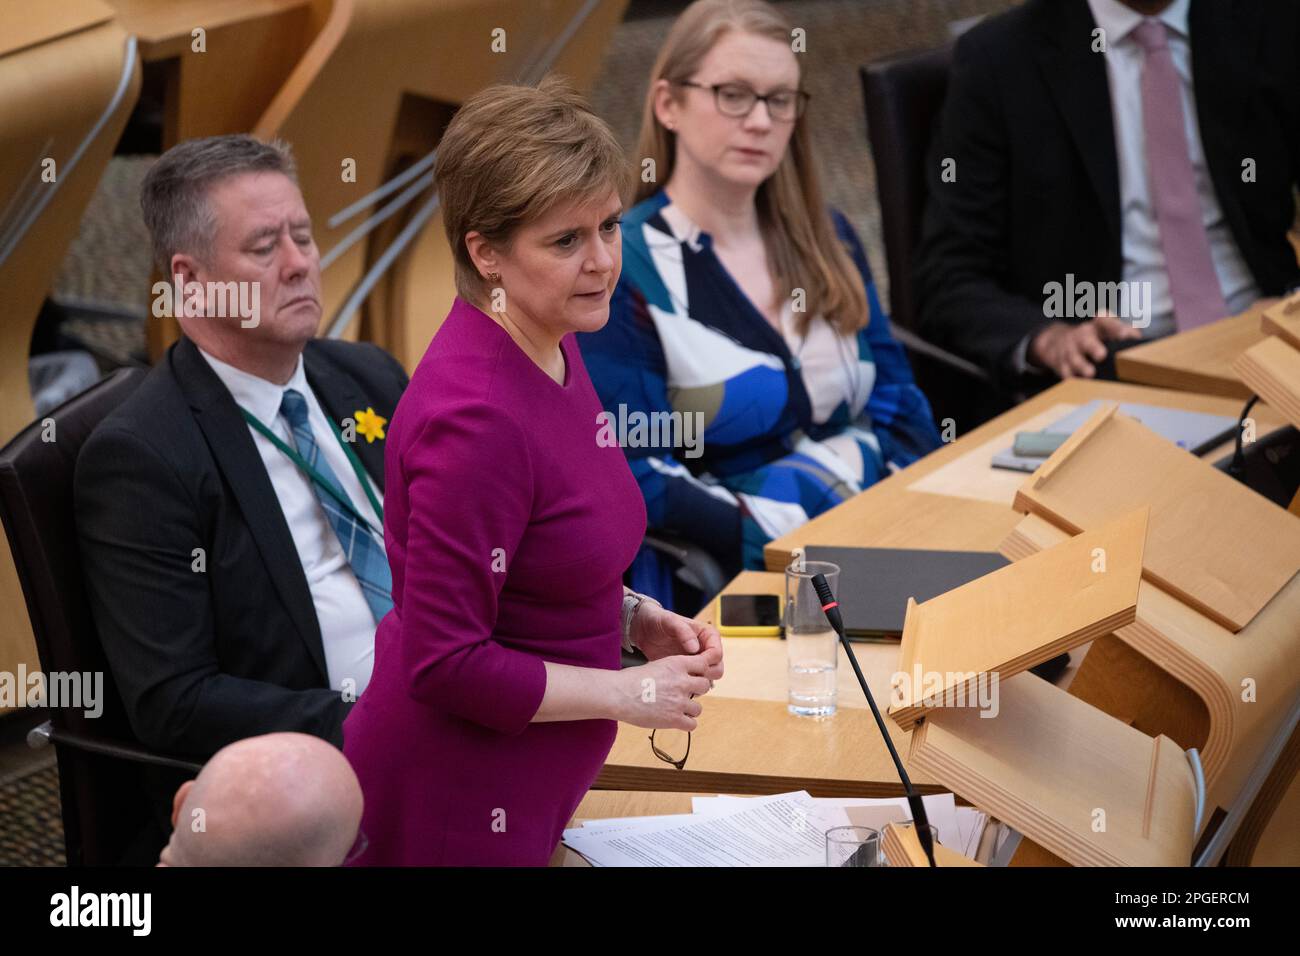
321, 480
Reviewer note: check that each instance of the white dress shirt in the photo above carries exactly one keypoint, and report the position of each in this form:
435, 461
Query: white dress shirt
346, 623
1144, 259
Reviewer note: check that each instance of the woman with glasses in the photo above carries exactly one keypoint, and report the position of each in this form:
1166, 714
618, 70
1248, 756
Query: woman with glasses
746, 306
508, 522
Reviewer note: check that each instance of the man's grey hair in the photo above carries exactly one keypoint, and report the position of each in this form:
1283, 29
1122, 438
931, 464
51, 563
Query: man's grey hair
174, 194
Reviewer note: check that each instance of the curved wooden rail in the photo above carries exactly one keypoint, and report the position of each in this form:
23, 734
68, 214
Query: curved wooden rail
65, 96
1177, 672
377, 86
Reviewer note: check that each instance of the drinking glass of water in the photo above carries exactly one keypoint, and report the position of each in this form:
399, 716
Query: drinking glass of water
812, 648
853, 846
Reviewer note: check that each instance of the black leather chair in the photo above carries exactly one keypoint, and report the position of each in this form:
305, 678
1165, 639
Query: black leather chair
903, 95
694, 568
107, 817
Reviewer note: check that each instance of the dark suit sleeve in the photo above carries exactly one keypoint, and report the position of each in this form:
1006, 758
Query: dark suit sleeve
138, 526
391, 370
963, 258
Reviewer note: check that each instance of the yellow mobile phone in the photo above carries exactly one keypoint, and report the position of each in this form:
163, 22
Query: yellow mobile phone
749, 615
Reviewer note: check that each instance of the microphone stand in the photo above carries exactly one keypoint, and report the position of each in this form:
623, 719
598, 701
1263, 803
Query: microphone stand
831, 608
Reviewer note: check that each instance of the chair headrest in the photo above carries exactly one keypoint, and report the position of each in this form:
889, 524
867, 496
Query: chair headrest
36, 506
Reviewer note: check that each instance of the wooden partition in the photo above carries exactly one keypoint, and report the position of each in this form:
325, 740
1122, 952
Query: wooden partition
376, 64
68, 82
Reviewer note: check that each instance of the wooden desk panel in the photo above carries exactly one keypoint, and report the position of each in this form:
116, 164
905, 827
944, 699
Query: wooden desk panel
747, 742
165, 27
53, 93
758, 747
1199, 360
1283, 320
892, 514
1200, 517
27, 24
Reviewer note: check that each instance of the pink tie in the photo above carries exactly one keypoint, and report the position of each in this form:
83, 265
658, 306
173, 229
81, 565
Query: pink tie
1193, 283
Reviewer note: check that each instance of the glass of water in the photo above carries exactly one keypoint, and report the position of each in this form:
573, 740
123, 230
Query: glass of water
812, 647
853, 846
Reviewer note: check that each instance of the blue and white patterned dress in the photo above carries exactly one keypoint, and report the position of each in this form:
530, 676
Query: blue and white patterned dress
791, 426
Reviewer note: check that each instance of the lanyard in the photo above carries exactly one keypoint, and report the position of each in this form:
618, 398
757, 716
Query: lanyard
321, 480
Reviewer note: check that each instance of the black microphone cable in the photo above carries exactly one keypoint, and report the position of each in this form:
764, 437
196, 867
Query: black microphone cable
1238, 466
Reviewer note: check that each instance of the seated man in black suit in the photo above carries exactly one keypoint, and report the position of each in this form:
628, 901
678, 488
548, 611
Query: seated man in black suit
1093, 152
230, 511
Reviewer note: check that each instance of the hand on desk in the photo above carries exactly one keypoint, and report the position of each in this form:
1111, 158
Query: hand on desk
1073, 351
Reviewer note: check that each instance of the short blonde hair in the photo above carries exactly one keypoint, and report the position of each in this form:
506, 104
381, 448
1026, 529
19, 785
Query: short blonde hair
510, 154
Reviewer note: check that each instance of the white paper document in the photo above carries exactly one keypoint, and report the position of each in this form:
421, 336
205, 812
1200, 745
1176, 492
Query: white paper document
939, 807
787, 829
781, 830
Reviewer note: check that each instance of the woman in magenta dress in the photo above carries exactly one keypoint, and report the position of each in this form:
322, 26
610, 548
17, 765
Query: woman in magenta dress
496, 689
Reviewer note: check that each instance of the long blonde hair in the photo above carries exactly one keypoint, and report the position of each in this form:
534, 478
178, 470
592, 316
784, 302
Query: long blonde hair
803, 250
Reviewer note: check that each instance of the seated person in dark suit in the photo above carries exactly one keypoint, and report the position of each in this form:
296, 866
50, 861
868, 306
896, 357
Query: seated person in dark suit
230, 511
1149, 143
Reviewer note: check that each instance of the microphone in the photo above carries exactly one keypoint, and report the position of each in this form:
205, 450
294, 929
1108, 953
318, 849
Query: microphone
831, 608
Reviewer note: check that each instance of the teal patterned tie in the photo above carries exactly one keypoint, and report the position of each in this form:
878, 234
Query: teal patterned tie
364, 553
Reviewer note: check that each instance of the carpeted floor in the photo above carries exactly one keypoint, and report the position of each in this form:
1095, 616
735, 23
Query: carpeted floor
31, 833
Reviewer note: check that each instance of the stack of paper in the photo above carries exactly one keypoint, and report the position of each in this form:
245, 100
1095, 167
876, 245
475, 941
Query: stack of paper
787, 829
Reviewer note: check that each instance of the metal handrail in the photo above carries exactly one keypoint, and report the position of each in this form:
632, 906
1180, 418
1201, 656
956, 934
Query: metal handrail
128, 69
532, 71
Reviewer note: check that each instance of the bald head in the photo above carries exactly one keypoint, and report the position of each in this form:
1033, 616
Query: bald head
276, 800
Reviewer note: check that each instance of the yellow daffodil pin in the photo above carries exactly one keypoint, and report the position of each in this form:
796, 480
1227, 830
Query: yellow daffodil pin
370, 424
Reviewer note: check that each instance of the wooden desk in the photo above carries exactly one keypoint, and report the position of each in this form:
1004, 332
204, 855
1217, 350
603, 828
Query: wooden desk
1199, 360
758, 747
951, 499
747, 741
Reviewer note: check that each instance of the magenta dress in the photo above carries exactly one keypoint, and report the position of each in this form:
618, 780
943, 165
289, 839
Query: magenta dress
508, 528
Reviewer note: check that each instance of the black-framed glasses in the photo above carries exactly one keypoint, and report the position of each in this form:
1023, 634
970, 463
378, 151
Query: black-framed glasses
736, 100
665, 756
673, 745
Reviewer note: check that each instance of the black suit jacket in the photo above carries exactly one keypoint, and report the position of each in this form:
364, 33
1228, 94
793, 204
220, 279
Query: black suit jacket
1028, 120
207, 658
